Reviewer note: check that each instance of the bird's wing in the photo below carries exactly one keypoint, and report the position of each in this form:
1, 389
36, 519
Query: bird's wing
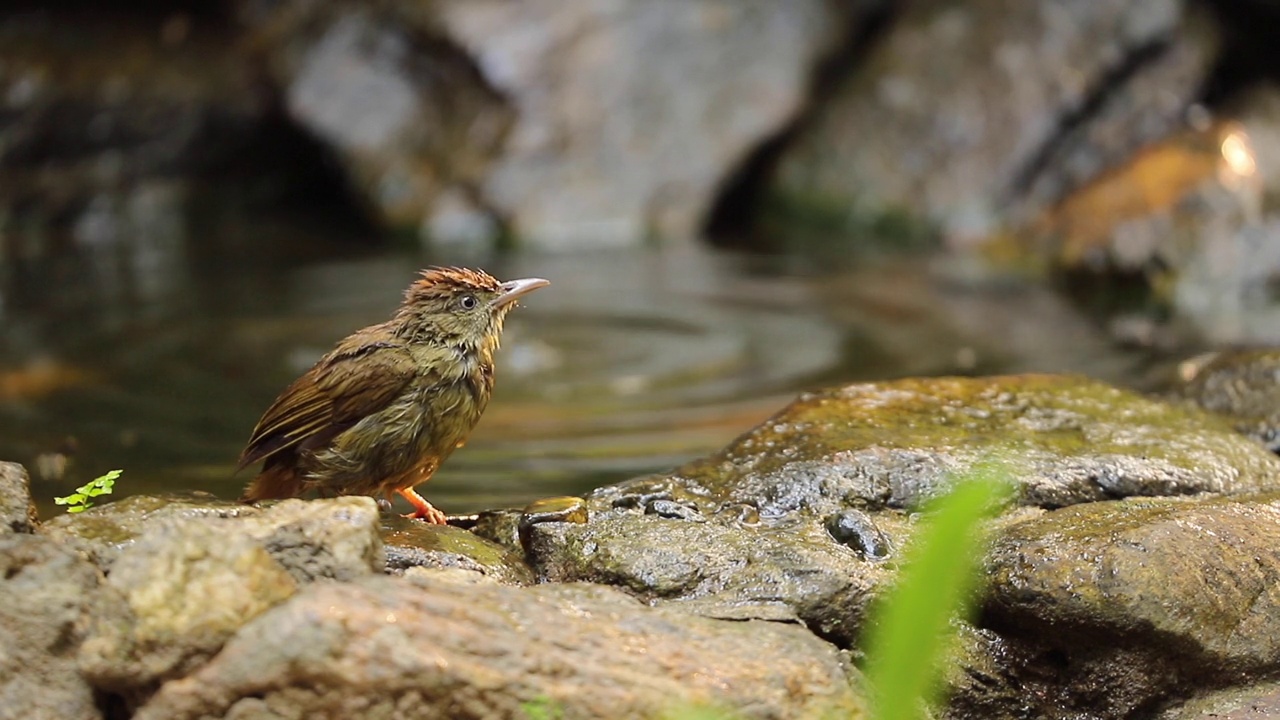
361, 376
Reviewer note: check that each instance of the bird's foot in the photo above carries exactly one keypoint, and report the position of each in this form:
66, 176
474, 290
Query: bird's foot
423, 510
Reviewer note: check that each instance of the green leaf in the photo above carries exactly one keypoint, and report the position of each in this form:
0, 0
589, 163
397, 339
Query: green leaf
910, 635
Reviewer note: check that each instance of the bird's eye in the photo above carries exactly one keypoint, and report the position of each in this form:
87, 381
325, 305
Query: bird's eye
468, 302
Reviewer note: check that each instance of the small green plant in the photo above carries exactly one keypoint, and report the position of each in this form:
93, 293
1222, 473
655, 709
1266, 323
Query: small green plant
910, 636
542, 708
82, 498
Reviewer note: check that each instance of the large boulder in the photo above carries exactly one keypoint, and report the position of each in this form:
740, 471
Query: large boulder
959, 112
435, 646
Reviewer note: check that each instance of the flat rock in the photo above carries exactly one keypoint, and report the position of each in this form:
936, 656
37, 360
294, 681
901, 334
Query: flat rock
48, 599
335, 538
410, 544
431, 647
1062, 439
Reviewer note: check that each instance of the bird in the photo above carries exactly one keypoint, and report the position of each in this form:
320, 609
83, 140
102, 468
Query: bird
380, 412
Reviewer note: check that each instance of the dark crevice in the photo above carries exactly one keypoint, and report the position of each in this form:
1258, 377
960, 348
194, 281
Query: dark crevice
1073, 118
1248, 48
732, 221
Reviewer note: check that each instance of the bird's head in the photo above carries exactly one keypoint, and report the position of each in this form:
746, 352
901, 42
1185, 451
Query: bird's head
453, 305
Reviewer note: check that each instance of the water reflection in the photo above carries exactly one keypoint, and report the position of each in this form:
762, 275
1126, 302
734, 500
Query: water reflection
155, 352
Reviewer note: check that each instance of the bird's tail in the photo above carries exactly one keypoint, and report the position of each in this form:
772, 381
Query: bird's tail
273, 483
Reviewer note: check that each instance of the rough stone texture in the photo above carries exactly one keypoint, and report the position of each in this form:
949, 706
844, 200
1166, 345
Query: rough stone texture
797, 516
1140, 600
412, 544
1064, 440
604, 149
1251, 702
962, 101
17, 510
189, 585
431, 647
335, 538
47, 599
1244, 387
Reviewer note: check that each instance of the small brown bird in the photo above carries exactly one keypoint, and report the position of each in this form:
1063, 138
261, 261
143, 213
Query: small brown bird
381, 411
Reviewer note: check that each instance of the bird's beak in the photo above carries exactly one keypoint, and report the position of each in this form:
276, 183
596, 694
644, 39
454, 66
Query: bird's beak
513, 289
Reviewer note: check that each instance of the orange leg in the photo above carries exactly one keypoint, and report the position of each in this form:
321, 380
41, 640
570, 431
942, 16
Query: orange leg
422, 510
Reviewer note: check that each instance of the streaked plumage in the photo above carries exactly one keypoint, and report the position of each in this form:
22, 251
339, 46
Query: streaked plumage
380, 412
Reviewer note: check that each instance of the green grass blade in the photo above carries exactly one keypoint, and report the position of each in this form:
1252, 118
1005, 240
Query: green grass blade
909, 635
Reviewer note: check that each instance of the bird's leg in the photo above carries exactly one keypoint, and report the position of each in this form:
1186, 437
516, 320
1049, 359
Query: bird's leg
422, 510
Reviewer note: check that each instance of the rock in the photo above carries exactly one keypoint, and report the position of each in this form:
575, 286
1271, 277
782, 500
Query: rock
189, 585
406, 112
334, 538
602, 152
800, 514
1244, 387
958, 108
17, 510
48, 598
1260, 701
432, 648
1064, 439
410, 544
1146, 598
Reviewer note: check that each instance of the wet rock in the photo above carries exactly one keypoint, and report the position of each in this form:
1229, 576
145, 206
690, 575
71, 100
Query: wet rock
1149, 596
1063, 439
1244, 387
17, 510
1259, 701
721, 570
856, 530
801, 512
412, 544
189, 584
334, 538
48, 598
967, 104
602, 151
432, 647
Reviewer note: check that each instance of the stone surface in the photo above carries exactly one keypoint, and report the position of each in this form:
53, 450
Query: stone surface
605, 149
1244, 387
956, 107
407, 113
1117, 606
48, 598
17, 509
335, 538
432, 647
1260, 701
797, 516
1064, 440
412, 544
189, 584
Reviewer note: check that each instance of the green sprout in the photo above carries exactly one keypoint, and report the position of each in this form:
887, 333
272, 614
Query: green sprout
910, 638
81, 499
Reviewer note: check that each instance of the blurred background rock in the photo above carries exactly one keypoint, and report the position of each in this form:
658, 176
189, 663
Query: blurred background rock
735, 199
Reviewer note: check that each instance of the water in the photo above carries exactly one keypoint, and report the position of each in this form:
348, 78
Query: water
154, 346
